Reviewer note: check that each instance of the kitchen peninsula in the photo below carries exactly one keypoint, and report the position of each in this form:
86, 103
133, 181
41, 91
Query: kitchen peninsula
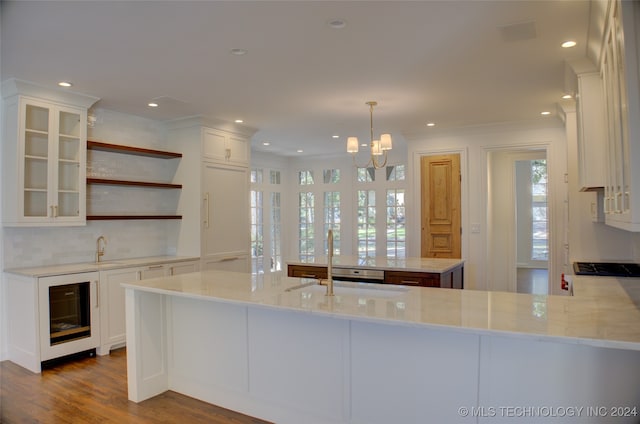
277, 348
422, 272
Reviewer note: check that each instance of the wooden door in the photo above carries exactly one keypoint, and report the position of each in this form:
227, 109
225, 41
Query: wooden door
440, 216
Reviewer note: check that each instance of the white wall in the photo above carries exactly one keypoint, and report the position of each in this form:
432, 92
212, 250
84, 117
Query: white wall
475, 145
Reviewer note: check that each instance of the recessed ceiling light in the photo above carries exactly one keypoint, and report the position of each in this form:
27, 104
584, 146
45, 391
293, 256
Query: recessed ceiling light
266, 143
545, 113
431, 124
299, 150
568, 44
335, 136
65, 84
336, 23
238, 121
238, 52
152, 104
567, 96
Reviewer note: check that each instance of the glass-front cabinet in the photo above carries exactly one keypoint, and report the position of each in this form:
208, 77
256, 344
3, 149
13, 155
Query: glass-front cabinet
44, 163
54, 163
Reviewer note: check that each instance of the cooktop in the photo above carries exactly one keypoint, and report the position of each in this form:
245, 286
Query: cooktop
609, 269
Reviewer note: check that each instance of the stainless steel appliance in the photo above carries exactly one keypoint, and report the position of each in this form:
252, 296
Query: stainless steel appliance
607, 269
358, 275
69, 312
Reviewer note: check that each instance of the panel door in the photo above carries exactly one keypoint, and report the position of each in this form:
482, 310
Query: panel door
440, 216
225, 203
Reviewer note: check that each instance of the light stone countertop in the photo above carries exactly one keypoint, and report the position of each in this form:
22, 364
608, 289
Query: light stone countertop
435, 265
603, 312
50, 270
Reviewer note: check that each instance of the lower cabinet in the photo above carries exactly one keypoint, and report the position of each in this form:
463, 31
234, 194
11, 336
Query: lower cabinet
304, 271
421, 279
111, 298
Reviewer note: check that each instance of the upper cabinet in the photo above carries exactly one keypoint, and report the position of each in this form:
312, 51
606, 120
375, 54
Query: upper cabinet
591, 132
223, 146
44, 156
621, 92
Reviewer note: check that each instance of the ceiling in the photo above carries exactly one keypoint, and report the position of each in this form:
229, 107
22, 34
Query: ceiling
455, 63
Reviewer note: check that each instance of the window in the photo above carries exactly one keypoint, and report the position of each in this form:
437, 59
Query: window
305, 177
539, 222
331, 176
396, 235
266, 250
256, 175
366, 175
395, 173
332, 219
274, 177
276, 232
305, 225
366, 223
257, 247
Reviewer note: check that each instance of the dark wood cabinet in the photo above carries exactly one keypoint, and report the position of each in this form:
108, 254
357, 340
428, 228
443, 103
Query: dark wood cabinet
451, 279
307, 271
421, 279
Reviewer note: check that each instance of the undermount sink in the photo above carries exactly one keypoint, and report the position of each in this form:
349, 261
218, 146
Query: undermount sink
344, 288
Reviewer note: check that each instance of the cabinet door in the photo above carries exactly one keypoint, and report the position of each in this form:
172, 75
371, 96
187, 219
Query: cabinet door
225, 147
214, 145
52, 163
183, 267
225, 224
591, 132
112, 314
422, 279
152, 271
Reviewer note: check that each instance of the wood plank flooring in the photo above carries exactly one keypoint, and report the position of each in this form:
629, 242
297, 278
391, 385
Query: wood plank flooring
94, 390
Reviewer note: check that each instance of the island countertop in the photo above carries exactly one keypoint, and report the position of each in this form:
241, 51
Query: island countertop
604, 311
434, 265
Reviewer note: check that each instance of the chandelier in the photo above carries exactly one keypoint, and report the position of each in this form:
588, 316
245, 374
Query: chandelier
378, 147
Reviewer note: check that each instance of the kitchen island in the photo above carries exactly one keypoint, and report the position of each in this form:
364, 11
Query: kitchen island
279, 349
421, 272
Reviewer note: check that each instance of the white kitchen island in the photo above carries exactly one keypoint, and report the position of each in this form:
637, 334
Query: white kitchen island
387, 355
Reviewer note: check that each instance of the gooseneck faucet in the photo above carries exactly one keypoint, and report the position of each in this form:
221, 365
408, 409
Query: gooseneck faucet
100, 251
330, 263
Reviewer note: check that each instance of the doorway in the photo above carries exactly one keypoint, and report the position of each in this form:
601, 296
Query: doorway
518, 229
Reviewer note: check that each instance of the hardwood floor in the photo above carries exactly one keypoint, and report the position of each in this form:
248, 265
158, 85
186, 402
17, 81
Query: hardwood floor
533, 280
94, 390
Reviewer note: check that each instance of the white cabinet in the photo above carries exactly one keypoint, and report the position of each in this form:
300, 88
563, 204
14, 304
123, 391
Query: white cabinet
223, 146
44, 158
226, 221
29, 323
112, 315
621, 82
591, 132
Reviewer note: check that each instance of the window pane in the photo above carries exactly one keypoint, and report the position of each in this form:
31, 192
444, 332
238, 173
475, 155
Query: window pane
332, 219
257, 237
305, 177
396, 234
274, 177
395, 173
305, 225
276, 233
331, 176
366, 223
539, 221
256, 175
366, 175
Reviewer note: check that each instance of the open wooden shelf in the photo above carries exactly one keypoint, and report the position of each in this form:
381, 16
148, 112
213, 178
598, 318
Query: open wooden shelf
129, 150
106, 181
129, 217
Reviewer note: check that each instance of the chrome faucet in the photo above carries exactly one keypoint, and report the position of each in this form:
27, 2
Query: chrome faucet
330, 263
99, 251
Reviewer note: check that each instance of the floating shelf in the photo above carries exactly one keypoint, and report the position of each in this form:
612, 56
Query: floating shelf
129, 217
129, 150
106, 181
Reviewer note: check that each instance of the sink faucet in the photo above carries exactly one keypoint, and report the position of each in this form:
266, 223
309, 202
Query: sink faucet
99, 251
330, 263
